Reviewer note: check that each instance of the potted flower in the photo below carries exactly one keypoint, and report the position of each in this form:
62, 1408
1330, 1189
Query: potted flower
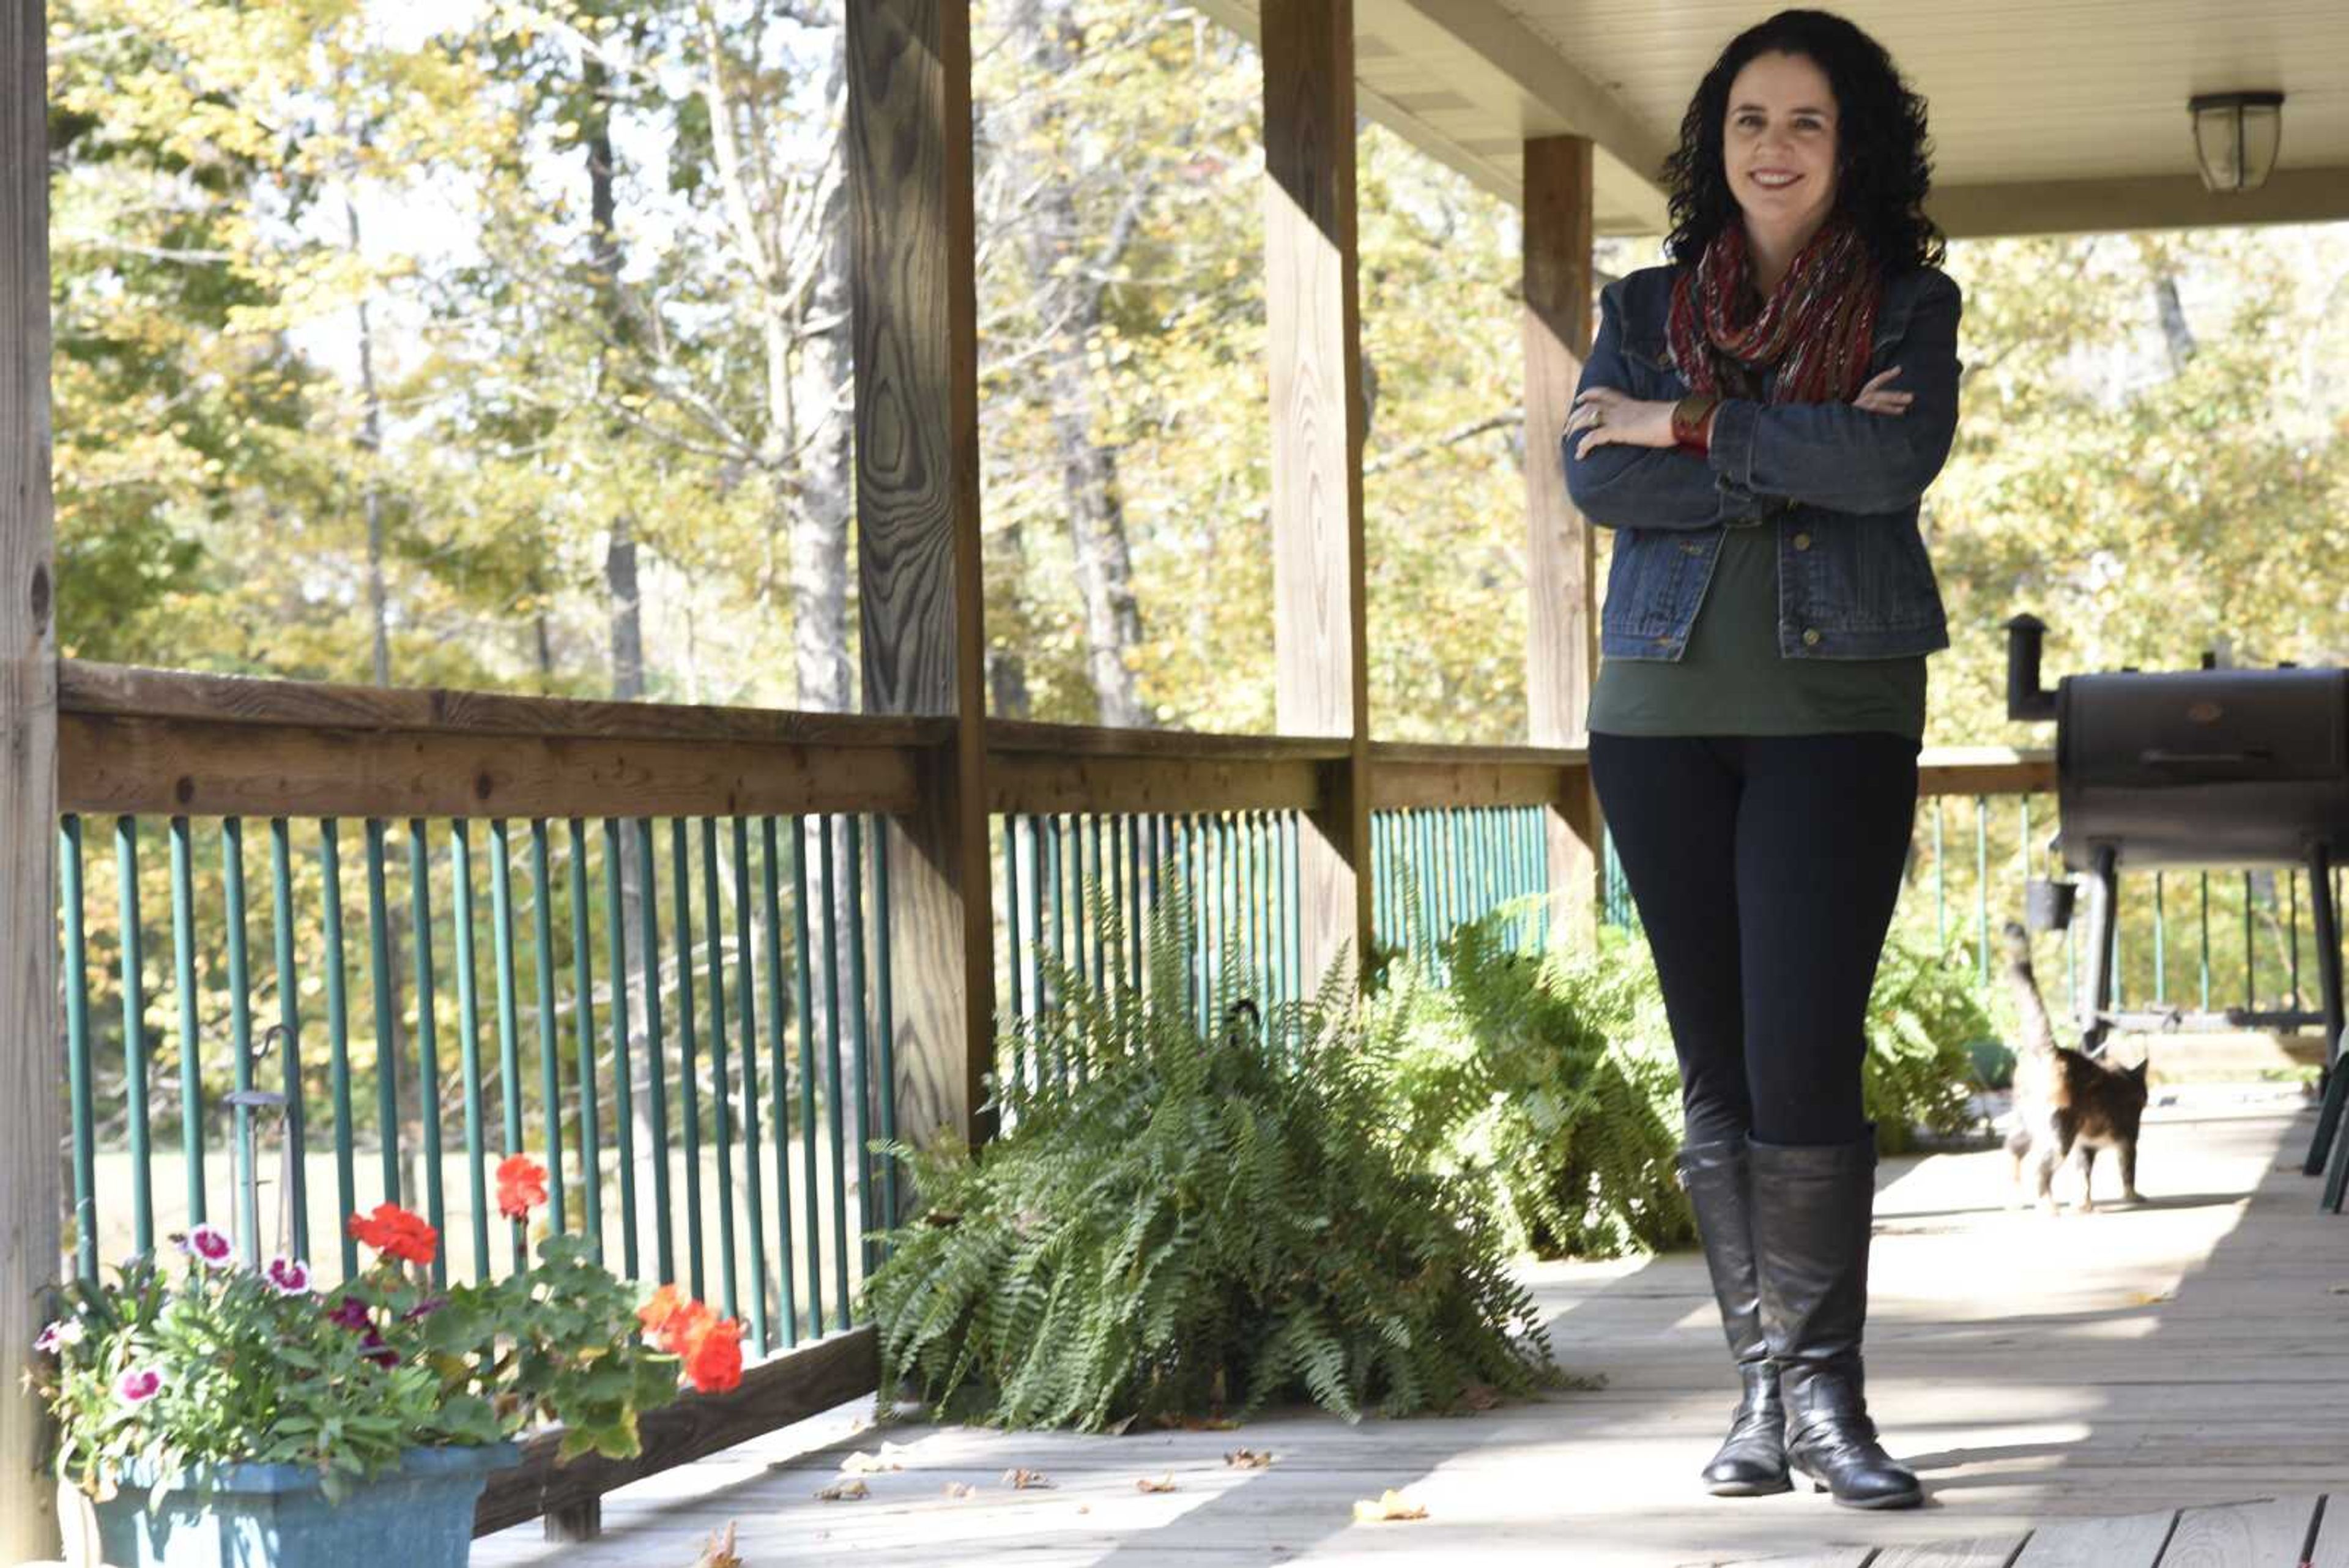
215, 1413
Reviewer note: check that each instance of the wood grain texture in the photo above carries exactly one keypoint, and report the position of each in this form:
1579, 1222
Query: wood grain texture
128, 690
2242, 1535
1985, 1551
1313, 321
2099, 1543
777, 1392
201, 768
914, 298
32, 1054
1561, 552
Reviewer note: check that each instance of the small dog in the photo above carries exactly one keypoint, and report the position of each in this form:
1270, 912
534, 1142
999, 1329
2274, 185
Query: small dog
2066, 1099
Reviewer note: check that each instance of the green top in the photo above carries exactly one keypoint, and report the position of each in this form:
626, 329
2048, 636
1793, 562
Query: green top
1731, 678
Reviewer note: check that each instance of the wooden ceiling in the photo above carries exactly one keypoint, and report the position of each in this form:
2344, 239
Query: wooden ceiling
2047, 116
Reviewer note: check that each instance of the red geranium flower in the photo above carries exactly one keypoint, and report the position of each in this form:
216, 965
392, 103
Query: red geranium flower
709, 1345
713, 1357
396, 1233
521, 1185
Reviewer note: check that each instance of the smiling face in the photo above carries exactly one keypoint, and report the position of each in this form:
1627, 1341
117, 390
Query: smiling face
1778, 144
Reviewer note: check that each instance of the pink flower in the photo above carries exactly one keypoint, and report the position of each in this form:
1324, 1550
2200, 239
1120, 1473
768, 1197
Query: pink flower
137, 1386
289, 1276
57, 1336
209, 1246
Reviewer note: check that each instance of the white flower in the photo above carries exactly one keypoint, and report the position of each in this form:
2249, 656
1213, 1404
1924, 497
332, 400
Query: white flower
289, 1277
66, 1331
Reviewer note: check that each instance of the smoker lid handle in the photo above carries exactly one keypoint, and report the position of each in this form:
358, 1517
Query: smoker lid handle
2159, 758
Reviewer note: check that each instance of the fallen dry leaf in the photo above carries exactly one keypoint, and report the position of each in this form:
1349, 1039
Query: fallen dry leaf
1163, 1483
1249, 1458
860, 1463
1389, 1506
718, 1551
2150, 1298
1480, 1396
1085, 1508
961, 1489
1016, 1477
844, 1491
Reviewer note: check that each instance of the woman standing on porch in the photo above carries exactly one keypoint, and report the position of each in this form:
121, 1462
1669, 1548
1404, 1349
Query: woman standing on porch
1758, 421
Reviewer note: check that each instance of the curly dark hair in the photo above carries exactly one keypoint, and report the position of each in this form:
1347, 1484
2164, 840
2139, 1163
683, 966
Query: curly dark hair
1883, 158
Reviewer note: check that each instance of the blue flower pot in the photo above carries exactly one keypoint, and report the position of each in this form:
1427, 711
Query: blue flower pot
277, 1516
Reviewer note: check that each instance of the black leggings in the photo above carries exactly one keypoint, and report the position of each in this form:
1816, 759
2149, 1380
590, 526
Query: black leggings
1765, 869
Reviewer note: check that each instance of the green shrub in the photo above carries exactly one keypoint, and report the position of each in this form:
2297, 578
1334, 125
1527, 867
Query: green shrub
1924, 1017
1545, 1078
1178, 1222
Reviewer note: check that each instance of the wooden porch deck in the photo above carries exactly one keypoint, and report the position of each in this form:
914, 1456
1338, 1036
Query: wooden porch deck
2077, 1391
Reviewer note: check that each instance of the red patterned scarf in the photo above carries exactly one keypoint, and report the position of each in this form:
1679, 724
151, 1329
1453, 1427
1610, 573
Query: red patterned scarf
1819, 327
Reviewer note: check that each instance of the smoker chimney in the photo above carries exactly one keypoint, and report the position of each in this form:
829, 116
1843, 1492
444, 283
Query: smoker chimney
2026, 699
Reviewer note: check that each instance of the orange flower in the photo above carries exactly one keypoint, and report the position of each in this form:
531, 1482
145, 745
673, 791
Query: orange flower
396, 1233
713, 1355
658, 1313
521, 1185
709, 1345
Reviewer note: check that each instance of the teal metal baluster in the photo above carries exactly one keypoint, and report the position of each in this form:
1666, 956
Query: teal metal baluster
884, 995
689, 1085
804, 993
754, 1196
2206, 942
77, 1052
1982, 889
863, 1043
134, 1035
1011, 914
655, 1055
386, 1058
583, 965
778, 1078
624, 1088
836, 1110
469, 1038
721, 1077
239, 1019
509, 1087
427, 1059
2291, 907
192, 1055
550, 1040
339, 1044
2160, 945
2251, 955
289, 1021
1941, 887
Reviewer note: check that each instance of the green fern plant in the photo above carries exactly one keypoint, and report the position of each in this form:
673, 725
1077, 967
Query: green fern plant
1179, 1222
1542, 1078
1923, 1016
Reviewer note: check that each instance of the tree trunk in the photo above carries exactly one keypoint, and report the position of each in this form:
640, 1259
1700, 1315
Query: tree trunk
1069, 304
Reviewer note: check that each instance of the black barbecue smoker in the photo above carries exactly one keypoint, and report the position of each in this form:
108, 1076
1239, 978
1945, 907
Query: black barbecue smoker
2205, 768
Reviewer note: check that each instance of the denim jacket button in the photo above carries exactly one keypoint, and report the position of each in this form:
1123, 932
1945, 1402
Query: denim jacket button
1810, 638
1802, 541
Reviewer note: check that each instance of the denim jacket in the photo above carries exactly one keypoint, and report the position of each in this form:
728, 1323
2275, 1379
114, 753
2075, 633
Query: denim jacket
1839, 484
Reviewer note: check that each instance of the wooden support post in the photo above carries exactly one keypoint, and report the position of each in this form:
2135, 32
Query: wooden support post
31, 1056
916, 314
1561, 631
1314, 321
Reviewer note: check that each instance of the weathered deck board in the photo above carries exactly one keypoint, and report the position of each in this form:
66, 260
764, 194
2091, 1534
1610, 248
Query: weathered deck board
2047, 1378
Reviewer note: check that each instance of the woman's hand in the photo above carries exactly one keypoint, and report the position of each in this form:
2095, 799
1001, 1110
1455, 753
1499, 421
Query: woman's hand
1876, 399
1607, 416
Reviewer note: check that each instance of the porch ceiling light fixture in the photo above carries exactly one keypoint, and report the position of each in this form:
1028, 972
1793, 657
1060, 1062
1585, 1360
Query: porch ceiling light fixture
2235, 137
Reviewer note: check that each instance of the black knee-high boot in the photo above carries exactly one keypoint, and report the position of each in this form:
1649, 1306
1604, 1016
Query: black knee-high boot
1753, 1458
1812, 1204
